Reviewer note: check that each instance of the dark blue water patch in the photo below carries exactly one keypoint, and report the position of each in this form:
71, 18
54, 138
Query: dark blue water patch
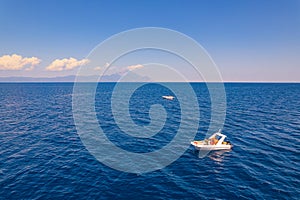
42, 157
139, 105
146, 96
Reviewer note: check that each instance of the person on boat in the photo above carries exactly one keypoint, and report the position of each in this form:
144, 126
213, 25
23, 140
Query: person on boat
214, 141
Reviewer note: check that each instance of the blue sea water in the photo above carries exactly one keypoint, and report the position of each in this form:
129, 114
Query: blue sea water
42, 156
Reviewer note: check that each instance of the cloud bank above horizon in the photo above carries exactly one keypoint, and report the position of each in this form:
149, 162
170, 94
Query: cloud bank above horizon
66, 64
17, 62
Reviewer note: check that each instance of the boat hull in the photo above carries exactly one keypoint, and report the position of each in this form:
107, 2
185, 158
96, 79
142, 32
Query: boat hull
212, 148
206, 147
213, 143
168, 97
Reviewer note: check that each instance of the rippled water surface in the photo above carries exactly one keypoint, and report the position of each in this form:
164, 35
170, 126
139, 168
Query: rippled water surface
42, 156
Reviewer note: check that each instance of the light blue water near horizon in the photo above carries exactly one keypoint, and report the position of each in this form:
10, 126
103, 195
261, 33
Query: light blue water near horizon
42, 157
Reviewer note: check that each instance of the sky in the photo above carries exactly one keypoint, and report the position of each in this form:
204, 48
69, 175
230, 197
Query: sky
249, 40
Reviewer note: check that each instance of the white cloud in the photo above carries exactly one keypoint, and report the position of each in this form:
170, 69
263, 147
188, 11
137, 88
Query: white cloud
106, 64
113, 70
66, 64
98, 68
17, 62
134, 67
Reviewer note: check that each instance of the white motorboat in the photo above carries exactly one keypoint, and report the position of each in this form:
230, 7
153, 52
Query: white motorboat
168, 97
214, 142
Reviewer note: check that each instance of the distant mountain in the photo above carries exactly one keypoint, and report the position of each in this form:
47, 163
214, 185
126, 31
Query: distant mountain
109, 78
42, 79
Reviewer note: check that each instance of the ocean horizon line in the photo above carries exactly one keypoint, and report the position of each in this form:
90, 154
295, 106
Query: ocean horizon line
246, 82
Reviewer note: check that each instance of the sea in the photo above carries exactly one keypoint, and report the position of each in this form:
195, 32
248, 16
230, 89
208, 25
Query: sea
42, 155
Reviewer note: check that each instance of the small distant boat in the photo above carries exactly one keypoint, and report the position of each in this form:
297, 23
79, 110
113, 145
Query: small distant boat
168, 97
214, 142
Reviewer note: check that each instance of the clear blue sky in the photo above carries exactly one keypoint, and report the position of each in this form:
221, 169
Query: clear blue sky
250, 40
